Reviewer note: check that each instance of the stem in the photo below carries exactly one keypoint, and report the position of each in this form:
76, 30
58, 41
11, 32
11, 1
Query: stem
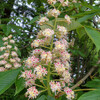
48, 80
54, 74
59, 6
45, 47
44, 90
49, 25
49, 66
84, 89
39, 85
51, 47
43, 83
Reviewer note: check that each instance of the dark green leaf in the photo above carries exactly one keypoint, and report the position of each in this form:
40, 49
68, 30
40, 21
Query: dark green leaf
92, 95
94, 83
50, 98
43, 97
94, 36
48, 25
81, 32
86, 13
34, 19
7, 78
19, 53
84, 18
8, 30
16, 28
4, 28
19, 85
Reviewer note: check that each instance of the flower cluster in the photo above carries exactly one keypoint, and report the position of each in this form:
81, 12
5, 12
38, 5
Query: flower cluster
69, 92
51, 1
46, 56
43, 20
67, 18
40, 72
63, 2
9, 58
54, 12
32, 92
55, 86
48, 66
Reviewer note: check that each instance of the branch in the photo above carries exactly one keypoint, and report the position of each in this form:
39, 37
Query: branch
85, 77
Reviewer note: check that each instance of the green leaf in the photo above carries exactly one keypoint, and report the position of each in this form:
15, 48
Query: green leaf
8, 30
19, 85
87, 5
94, 83
7, 78
48, 25
43, 97
1, 42
16, 28
81, 32
4, 28
92, 95
50, 98
84, 18
74, 24
94, 36
19, 53
86, 13
34, 19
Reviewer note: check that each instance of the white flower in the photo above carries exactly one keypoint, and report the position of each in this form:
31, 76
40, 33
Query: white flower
48, 32
54, 12
36, 43
5, 38
55, 86
5, 43
13, 53
17, 65
9, 46
3, 62
15, 48
62, 30
10, 36
67, 18
12, 60
2, 69
52, 1
32, 92
42, 20
2, 48
69, 93
12, 41
40, 72
8, 66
